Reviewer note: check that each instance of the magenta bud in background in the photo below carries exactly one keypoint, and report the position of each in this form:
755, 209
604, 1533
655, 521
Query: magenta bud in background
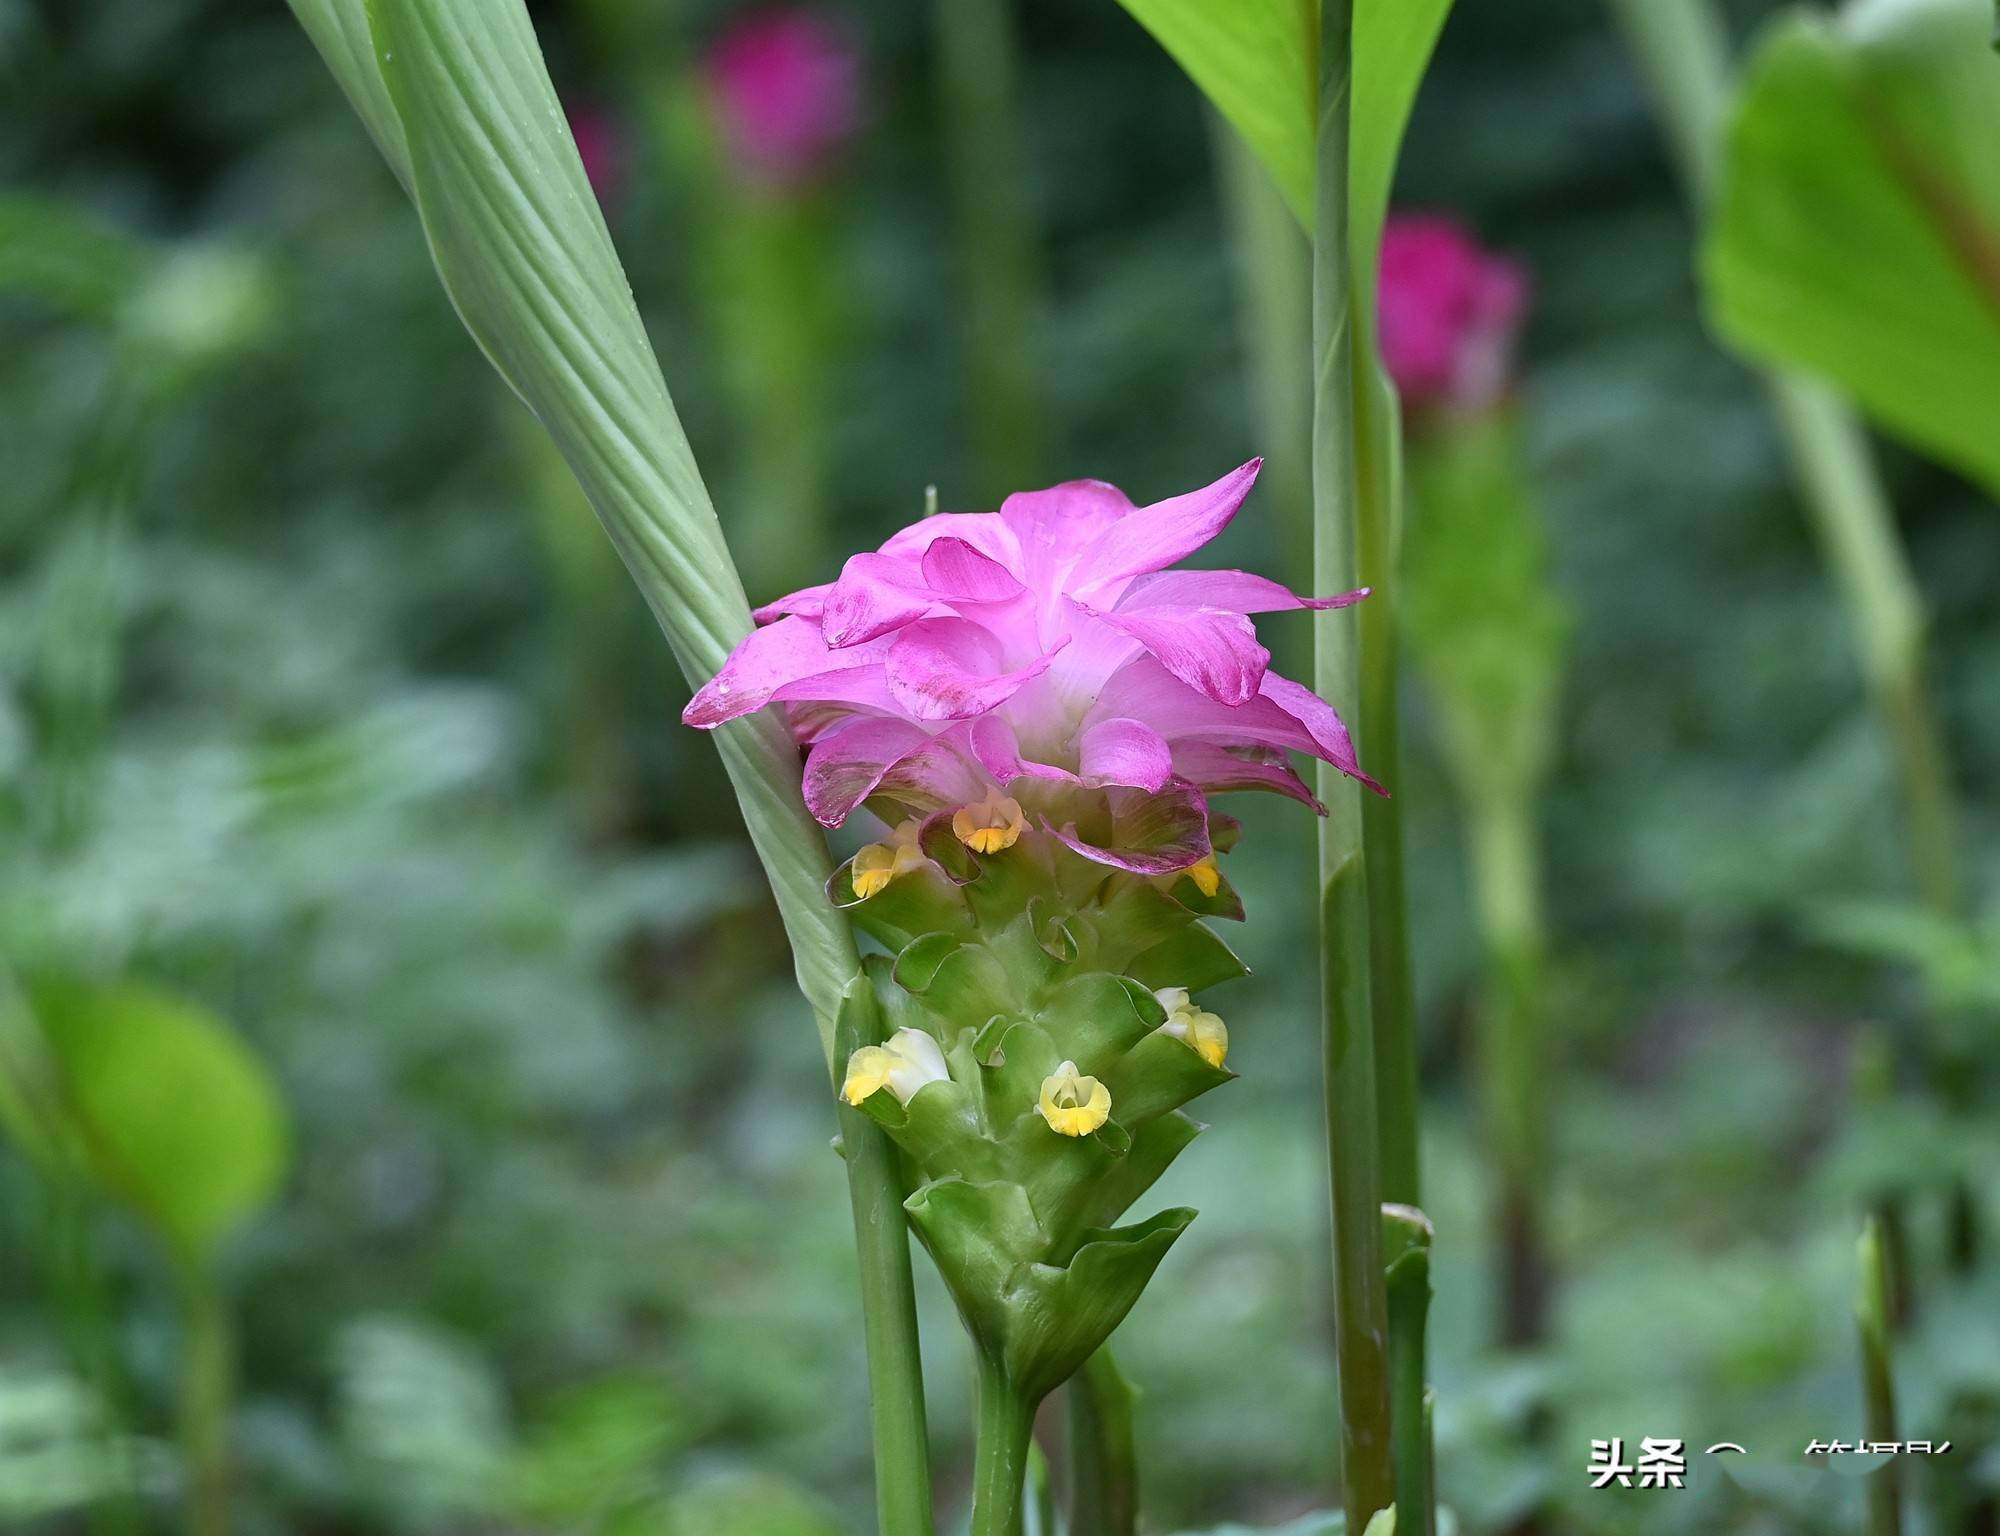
786, 85
1449, 312
601, 147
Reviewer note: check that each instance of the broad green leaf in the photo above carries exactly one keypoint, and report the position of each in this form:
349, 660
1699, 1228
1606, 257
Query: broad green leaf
1256, 60
1857, 232
457, 96
171, 1112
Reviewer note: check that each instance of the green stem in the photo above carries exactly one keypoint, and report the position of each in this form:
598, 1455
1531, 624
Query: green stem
889, 1329
1514, 1058
996, 237
207, 1380
1353, 1149
1000, 1453
1683, 47
1274, 279
1392, 994
1878, 1382
1406, 1241
1103, 1459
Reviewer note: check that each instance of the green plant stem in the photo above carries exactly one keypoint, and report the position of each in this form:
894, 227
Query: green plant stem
1878, 1381
207, 1381
1000, 1453
1514, 1060
1683, 48
1406, 1241
1353, 1148
998, 247
888, 1304
1273, 264
1103, 1456
1392, 989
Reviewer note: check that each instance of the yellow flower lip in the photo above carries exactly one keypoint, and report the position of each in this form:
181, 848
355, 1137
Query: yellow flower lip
1203, 1032
1206, 874
990, 825
879, 863
905, 1063
1072, 1104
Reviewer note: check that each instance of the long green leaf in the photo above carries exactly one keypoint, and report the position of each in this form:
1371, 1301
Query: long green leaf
476, 131
1256, 60
1857, 233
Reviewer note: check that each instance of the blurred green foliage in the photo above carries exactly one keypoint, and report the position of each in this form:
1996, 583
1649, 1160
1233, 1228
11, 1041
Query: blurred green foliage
312, 714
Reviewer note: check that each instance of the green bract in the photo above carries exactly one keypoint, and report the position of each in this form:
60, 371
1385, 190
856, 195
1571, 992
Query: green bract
1018, 963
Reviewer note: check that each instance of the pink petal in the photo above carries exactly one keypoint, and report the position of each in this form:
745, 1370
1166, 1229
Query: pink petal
846, 763
946, 669
1329, 732
1212, 649
1145, 690
875, 594
1154, 537
1152, 834
958, 573
1219, 770
995, 747
764, 665
1124, 752
984, 531
1054, 527
807, 603
937, 774
1241, 590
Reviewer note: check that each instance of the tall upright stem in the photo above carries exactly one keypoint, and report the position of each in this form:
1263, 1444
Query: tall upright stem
1103, 1461
1273, 262
1392, 995
1354, 1153
1000, 1454
1682, 45
998, 251
1878, 1380
207, 1372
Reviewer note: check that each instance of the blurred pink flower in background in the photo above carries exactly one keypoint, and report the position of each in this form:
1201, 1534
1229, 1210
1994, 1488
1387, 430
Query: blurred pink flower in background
1449, 313
601, 146
786, 85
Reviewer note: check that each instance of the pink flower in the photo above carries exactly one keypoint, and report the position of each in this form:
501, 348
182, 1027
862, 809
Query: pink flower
1044, 650
786, 86
1449, 312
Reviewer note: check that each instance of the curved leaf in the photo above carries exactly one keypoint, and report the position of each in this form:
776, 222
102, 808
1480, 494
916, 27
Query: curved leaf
1857, 233
172, 1113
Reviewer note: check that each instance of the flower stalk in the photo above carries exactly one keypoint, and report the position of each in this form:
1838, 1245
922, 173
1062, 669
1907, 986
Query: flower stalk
1353, 1147
1878, 1379
1103, 1461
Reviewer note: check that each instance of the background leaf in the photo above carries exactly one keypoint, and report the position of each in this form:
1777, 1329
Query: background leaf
1256, 60
173, 1113
1857, 233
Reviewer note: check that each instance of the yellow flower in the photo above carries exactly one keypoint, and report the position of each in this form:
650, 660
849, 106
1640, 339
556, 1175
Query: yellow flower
1206, 874
1205, 1034
907, 1061
1074, 1105
991, 825
879, 863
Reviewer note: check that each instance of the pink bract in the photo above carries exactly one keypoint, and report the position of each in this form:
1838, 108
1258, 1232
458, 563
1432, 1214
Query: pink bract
1045, 649
1449, 312
787, 91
